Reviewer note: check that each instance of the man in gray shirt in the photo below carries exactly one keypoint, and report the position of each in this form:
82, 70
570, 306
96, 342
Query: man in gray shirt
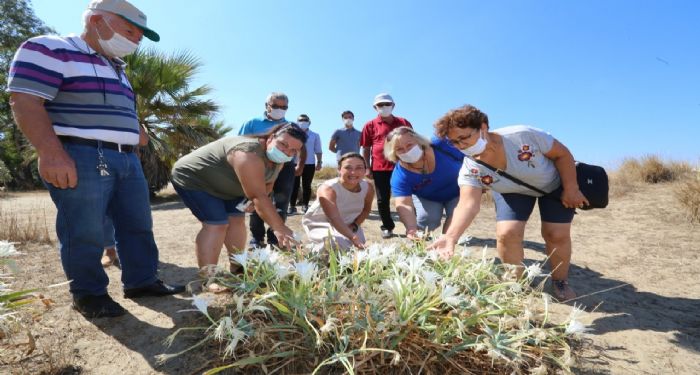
346, 139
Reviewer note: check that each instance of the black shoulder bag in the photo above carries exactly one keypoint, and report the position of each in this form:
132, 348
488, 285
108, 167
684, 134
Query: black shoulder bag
592, 181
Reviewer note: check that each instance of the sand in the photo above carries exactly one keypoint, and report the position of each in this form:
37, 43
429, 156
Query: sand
637, 261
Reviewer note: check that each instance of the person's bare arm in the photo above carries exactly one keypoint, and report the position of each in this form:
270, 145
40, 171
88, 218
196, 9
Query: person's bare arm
366, 153
251, 166
55, 165
332, 145
465, 212
407, 215
369, 198
301, 159
571, 196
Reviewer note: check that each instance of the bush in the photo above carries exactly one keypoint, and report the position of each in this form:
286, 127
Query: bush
32, 228
326, 173
688, 194
386, 309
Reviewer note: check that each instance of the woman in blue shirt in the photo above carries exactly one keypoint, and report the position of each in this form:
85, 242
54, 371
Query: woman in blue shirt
424, 182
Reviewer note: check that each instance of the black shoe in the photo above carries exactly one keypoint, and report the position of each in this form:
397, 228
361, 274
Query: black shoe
98, 306
254, 244
387, 233
157, 289
304, 208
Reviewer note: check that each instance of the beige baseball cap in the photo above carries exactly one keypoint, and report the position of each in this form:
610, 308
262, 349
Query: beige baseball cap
127, 11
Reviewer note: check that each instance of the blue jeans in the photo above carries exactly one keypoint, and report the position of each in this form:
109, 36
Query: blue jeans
81, 215
429, 213
109, 240
281, 192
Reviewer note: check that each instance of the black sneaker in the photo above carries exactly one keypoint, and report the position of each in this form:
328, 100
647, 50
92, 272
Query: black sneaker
254, 244
387, 233
292, 210
304, 208
157, 289
98, 306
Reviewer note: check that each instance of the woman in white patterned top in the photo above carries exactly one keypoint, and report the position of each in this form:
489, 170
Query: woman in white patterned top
530, 155
342, 205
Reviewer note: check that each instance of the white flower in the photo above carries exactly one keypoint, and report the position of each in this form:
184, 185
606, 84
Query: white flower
360, 256
330, 324
533, 270
344, 261
576, 328
306, 270
389, 250
241, 258
450, 295
236, 335
413, 263
201, 303
7, 249
262, 254
430, 278
225, 326
282, 271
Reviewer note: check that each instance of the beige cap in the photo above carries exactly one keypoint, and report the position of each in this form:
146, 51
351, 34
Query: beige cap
127, 11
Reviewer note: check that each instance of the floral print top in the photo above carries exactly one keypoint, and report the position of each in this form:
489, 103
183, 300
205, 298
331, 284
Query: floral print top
525, 147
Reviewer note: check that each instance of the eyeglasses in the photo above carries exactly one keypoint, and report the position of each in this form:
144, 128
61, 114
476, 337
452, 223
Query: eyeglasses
458, 141
384, 104
275, 106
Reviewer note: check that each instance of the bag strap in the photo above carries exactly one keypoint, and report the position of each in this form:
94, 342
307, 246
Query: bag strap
508, 176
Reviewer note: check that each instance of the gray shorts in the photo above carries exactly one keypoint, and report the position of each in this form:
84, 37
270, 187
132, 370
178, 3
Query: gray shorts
429, 213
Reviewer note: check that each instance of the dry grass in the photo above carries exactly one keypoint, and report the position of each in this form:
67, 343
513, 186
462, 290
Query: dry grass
326, 173
17, 226
649, 169
688, 194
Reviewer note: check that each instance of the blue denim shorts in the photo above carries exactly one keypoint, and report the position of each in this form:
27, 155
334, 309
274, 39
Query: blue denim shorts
208, 208
514, 206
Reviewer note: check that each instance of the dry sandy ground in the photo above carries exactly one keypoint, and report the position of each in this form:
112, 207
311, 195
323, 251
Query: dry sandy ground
639, 256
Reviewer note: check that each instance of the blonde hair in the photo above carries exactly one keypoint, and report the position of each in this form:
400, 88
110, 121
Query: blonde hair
390, 142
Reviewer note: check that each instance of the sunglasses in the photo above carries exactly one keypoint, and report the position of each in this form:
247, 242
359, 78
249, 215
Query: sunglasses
384, 104
275, 106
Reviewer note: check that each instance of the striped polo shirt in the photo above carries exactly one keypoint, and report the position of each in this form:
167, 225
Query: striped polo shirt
86, 96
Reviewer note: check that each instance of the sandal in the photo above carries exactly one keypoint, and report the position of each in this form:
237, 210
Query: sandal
208, 273
562, 291
109, 257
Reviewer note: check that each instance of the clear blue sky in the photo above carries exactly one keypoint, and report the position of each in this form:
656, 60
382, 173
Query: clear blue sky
610, 79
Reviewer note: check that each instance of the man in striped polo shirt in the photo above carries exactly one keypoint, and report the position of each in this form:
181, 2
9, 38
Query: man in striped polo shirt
71, 98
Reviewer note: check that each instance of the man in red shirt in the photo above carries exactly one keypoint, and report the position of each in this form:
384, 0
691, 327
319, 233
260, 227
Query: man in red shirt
372, 140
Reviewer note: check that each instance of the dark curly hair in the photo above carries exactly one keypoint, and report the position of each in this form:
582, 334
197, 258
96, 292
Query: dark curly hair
466, 116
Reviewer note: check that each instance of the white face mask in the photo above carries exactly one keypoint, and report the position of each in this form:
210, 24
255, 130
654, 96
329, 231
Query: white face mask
476, 148
118, 45
277, 156
277, 114
412, 155
304, 124
348, 122
385, 111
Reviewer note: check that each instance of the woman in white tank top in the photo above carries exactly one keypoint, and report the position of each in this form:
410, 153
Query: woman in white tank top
342, 204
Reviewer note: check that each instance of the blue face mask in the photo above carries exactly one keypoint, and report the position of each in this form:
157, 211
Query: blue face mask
277, 156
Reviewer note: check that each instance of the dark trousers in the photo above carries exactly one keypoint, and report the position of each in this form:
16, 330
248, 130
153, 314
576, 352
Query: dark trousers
382, 185
305, 181
281, 192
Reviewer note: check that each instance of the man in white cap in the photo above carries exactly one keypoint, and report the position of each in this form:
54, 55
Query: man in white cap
372, 140
72, 100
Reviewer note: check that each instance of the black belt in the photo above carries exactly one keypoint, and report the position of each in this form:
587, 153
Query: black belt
95, 143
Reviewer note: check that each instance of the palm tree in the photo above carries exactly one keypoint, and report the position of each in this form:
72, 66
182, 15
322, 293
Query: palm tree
176, 117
